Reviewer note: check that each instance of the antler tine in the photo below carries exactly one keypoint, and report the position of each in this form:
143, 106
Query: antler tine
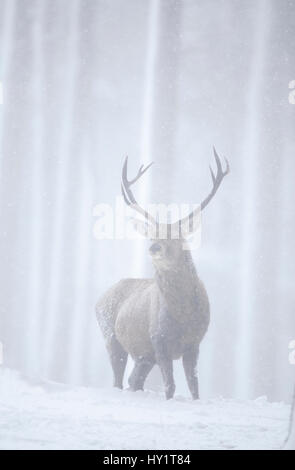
127, 193
124, 196
217, 179
140, 172
218, 162
227, 166
212, 174
220, 172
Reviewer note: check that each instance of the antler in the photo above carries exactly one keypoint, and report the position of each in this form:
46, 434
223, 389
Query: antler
176, 227
127, 193
217, 179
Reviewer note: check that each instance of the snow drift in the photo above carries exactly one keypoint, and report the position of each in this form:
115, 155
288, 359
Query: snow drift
55, 416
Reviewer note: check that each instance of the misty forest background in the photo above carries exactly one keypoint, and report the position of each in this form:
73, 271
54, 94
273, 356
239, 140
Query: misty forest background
86, 82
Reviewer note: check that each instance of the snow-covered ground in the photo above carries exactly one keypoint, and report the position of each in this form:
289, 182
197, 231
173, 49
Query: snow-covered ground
53, 416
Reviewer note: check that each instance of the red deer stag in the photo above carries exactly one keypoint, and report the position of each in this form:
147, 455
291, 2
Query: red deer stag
161, 319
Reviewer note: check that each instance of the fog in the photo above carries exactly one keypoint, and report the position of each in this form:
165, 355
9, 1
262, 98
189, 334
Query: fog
87, 82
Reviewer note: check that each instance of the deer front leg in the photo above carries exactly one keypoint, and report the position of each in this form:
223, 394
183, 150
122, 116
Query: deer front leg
165, 363
189, 360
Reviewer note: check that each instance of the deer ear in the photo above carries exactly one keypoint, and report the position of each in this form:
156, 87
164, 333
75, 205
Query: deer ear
142, 227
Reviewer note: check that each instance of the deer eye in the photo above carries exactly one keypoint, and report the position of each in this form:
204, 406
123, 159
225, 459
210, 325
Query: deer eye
155, 248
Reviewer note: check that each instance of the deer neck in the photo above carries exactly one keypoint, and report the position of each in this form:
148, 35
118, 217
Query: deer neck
178, 286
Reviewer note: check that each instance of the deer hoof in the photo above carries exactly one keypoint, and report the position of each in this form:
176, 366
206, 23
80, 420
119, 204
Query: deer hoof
169, 391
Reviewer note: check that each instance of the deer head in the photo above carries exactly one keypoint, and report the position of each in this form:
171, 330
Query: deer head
167, 239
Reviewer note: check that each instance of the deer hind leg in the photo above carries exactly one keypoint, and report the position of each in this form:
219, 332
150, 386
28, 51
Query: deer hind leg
142, 368
118, 357
189, 360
